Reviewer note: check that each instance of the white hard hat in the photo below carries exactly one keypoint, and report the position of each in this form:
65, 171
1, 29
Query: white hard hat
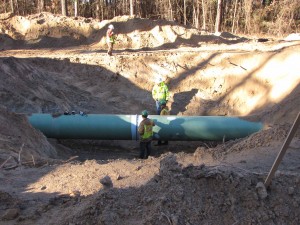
159, 80
111, 26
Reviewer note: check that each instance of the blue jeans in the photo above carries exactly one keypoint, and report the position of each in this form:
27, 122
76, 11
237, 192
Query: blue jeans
158, 109
145, 146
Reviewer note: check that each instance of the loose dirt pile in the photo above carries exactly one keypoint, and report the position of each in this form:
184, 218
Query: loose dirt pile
50, 64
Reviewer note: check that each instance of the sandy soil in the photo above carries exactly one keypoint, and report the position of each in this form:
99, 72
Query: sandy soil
51, 63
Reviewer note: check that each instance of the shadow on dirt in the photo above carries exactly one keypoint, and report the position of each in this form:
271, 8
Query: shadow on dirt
181, 100
175, 194
38, 85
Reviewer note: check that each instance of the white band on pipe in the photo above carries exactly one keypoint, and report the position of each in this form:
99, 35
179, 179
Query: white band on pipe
134, 127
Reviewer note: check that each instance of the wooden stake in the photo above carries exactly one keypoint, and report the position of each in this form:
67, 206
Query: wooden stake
283, 150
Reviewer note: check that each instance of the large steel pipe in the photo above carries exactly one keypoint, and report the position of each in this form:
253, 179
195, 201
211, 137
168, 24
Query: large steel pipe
124, 127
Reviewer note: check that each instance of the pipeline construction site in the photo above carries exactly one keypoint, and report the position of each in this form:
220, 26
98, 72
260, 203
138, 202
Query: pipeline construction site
234, 106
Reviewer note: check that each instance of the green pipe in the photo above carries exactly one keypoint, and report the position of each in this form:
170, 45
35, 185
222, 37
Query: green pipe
124, 127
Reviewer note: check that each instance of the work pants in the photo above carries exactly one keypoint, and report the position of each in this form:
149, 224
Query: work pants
110, 48
145, 149
158, 107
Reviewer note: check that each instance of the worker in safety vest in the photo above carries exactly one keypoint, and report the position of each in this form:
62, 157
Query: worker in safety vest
164, 112
160, 92
110, 39
164, 108
145, 130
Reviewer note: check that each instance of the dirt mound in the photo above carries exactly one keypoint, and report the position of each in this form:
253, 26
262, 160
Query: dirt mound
185, 195
46, 30
19, 141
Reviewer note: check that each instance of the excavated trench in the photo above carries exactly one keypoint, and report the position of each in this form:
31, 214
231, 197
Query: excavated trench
33, 86
202, 83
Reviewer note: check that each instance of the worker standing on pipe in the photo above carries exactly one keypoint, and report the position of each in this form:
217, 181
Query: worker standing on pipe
146, 132
160, 92
110, 39
164, 112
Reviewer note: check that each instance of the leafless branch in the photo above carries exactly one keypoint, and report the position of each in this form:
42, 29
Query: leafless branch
70, 159
21, 149
5, 161
33, 160
170, 222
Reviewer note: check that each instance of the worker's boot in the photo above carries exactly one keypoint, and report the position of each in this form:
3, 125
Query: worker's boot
158, 143
165, 143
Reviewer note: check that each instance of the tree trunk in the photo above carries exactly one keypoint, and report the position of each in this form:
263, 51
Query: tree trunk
184, 12
126, 7
171, 17
196, 14
218, 18
248, 12
136, 8
131, 8
102, 11
98, 12
17, 7
75, 8
234, 16
64, 7
24, 8
41, 5
12, 6
203, 15
4, 6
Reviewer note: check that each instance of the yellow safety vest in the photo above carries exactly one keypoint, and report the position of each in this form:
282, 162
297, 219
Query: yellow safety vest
148, 132
164, 111
161, 92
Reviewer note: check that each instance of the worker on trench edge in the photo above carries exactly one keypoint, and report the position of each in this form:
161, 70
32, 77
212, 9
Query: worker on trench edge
110, 39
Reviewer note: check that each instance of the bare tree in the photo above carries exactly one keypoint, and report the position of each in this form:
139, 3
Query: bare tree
75, 8
171, 17
4, 6
12, 6
204, 13
196, 13
17, 7
131, 8
41, 5
248, 13
234, 16
184, 12
218, 18
64, 7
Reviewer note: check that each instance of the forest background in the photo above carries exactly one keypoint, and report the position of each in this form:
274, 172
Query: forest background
249, 17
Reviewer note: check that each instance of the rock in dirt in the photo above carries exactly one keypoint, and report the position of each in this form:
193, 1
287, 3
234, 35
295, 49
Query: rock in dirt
11, 214
169, 164
106, 182
261, 190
